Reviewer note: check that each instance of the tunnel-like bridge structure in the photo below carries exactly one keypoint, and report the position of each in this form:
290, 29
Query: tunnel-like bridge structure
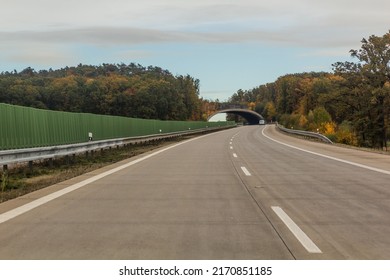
251, 116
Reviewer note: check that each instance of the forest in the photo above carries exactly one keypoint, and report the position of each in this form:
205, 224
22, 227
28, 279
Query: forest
350, 105
111, 89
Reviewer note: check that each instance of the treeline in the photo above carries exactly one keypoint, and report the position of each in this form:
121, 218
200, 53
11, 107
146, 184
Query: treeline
111, 89
350, 105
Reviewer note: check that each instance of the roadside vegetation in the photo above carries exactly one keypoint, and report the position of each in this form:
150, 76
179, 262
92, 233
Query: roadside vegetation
350, 105
110, 89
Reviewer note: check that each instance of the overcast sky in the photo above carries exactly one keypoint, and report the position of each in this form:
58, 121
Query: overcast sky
228, 45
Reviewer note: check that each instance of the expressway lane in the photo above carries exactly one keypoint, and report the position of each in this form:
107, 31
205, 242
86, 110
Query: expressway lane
343, 208
243, 193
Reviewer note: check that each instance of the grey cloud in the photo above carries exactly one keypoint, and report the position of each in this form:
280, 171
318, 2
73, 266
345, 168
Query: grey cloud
304, 23
95, 35
109, 36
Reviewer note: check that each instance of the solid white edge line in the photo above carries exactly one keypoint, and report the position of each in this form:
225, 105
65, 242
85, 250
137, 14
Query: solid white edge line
329, 157
295, 229
246, 172
43, 200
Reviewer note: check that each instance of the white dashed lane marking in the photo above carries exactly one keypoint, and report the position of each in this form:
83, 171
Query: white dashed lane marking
295, 229
246, 172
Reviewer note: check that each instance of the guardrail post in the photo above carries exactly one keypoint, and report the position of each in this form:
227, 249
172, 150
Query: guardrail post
67, 160
30, 166
51, 162
4, 178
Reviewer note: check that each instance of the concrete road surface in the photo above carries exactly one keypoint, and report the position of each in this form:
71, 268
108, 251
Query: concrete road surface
244, 193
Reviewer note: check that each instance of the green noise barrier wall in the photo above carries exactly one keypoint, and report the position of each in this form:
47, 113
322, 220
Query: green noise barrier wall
23, 127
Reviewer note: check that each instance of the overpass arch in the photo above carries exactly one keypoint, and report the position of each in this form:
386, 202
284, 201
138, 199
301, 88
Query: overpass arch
251, 116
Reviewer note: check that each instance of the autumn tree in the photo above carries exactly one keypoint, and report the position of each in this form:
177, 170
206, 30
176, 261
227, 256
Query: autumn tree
111, 89
369, 84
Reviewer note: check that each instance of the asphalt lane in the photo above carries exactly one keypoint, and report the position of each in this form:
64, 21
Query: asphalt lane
244, 193
343, 208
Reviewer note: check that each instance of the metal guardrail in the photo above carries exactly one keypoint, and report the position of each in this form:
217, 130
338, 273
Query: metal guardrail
305, 133
34, 154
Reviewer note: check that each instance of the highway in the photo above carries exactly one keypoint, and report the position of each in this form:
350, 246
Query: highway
244, 193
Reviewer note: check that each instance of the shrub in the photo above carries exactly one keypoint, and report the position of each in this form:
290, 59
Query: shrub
345, 134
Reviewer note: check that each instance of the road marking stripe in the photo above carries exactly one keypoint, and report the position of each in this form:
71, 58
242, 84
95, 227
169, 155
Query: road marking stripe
295, 229
234, 155
43, 200
246, 172
231, 147
329, 157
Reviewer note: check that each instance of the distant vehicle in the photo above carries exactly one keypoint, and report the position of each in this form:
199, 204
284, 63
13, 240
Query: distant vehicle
261, 122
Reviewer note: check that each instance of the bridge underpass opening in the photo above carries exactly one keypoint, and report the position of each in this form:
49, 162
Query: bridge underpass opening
251, 117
